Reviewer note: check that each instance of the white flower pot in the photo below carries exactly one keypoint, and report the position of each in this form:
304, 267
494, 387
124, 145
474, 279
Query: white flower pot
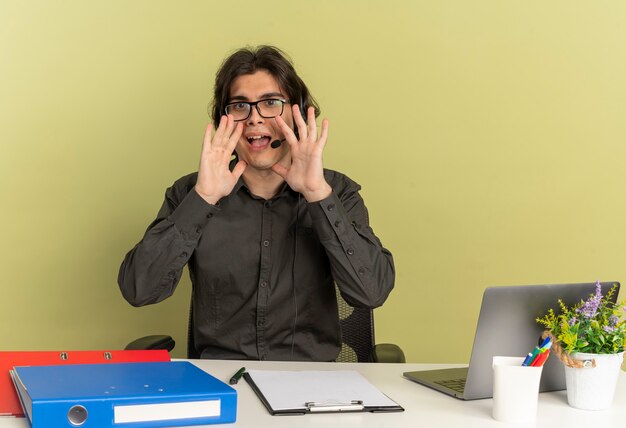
593, 388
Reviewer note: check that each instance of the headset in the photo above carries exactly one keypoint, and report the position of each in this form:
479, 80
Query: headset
293, 276
276, 143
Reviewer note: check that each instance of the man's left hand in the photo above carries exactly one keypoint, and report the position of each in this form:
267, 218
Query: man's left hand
306, 172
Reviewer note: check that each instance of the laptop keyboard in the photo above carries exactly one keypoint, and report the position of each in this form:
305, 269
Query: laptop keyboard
457, 385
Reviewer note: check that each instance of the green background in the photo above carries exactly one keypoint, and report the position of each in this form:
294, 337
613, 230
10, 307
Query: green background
489, 138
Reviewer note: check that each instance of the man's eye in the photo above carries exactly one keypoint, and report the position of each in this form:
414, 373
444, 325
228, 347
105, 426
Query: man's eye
239, 106
272, 103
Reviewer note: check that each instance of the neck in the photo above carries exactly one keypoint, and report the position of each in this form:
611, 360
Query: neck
263, 183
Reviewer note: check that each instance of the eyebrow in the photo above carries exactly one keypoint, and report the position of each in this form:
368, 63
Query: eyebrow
262, 97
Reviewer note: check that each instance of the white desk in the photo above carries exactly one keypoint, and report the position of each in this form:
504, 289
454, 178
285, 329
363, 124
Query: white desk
423, 406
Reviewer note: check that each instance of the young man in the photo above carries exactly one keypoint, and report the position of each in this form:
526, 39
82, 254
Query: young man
267, 234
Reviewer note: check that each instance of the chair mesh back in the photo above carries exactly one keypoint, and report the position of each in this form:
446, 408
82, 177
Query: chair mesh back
357, 331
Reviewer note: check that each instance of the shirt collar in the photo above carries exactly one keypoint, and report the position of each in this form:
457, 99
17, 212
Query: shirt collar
284, 190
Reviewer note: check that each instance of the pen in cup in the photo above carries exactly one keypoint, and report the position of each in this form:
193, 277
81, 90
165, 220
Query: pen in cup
235, 378
528, 359
531, 356
541, 359
539, 355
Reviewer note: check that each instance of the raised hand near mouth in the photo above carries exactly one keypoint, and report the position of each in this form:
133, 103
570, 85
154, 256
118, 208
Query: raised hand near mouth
306, 172
215, 180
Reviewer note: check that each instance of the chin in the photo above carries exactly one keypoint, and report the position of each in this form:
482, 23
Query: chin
260, 164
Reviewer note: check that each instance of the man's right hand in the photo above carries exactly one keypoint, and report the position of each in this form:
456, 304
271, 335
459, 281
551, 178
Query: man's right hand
215, 180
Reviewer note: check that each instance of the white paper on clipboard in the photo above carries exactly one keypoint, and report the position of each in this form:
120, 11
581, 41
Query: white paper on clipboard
292, 390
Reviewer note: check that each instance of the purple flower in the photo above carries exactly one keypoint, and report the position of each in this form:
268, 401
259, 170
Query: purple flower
572, 321
590, 307
613, 320
608, 329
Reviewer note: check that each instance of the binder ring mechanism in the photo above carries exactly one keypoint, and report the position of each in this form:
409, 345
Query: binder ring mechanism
334, 406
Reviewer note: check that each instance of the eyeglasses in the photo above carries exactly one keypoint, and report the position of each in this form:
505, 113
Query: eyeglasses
267, 109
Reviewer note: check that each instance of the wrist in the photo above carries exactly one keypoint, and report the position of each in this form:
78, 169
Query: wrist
209, 199
318, 194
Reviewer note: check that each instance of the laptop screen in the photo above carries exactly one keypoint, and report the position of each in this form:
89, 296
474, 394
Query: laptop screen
507, 326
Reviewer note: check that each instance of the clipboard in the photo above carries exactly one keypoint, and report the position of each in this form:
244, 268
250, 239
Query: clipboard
317, 391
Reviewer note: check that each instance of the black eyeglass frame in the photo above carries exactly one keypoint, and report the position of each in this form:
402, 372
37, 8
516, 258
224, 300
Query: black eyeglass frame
255, 105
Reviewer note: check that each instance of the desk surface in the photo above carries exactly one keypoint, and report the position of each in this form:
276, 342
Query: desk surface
424, 407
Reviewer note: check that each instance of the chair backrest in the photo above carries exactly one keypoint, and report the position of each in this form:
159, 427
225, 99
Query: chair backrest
191, 347
357, 333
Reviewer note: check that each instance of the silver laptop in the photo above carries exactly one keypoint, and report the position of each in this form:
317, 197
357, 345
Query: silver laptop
507, 327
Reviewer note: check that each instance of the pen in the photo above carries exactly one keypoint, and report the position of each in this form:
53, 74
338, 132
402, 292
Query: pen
541, 359
532, 356
233, 380
539, 355
545, 342
535, 360
528, 359
546, 345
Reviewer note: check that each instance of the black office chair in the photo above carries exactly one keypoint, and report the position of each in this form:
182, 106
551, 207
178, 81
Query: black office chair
357, 334
357, 331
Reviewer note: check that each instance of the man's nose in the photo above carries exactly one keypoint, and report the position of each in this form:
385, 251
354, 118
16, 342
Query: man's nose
254, 117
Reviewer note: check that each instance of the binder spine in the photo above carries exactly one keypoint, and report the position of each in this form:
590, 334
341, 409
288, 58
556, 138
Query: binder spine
100, 414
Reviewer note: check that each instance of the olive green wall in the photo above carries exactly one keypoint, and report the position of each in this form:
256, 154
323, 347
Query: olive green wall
489, 137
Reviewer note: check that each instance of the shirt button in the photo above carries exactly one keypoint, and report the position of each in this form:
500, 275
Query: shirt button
350, 251
267, 204
266, 243
263, 284
209, 215
259, 323
361, 271
330, 207
337, 223
184, 254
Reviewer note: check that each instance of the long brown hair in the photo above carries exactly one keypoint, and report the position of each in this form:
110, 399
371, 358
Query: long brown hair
248, 60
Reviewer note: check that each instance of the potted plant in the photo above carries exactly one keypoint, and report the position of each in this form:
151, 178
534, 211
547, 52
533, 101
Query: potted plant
589, 339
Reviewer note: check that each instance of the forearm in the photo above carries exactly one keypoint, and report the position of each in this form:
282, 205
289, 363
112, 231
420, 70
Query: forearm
362, 268
152, 269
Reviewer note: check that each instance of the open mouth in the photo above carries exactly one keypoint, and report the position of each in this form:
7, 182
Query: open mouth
258, 141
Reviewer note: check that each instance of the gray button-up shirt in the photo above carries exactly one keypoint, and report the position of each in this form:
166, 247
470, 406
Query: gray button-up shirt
263, 271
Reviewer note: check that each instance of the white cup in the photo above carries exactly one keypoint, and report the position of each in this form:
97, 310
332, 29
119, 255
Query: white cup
515, 390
